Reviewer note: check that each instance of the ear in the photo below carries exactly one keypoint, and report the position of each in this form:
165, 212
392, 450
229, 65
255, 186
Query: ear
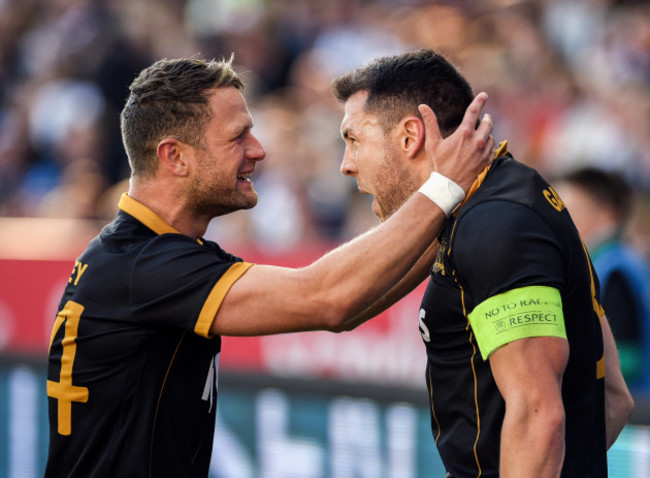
172, 154
411, 130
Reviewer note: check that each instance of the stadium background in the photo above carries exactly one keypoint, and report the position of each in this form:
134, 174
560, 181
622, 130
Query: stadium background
569, 84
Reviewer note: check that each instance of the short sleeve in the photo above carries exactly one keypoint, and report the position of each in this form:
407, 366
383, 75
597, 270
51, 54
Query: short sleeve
178, 283
510, 262
502, 245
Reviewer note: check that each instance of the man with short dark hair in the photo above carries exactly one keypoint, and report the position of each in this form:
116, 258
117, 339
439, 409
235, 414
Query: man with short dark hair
522, 371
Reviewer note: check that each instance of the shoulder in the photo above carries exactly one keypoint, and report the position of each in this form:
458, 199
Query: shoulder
508, 180
170, 264
513, 203
174, 250
499, 245
499, 235
499, 223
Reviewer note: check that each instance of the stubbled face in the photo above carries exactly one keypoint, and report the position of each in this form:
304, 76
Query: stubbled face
372, 157
221, 181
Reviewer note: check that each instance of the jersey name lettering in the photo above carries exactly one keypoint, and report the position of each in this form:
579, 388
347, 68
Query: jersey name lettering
77, 271
424, 330
211, 381
553, 198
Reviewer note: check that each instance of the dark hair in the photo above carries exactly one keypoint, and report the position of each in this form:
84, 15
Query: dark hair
607, 188
170, 98
396, 85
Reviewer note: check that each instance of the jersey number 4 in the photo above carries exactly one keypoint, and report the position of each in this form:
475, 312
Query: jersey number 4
63, 390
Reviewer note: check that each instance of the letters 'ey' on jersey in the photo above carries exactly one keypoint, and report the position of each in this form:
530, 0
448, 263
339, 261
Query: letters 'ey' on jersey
513, 232
132, 372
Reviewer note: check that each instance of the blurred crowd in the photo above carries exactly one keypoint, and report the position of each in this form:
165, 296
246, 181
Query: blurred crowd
569, 86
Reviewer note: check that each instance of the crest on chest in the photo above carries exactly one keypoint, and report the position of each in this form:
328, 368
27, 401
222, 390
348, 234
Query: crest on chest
439, 265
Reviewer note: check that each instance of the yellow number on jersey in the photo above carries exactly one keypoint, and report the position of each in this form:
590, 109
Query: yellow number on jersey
63, 390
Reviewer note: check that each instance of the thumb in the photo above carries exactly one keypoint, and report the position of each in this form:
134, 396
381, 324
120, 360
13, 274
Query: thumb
432, 131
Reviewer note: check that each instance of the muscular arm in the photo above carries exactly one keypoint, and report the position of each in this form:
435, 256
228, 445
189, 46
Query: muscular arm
346, 281
337, 287
619, 404
528, 373
418, 273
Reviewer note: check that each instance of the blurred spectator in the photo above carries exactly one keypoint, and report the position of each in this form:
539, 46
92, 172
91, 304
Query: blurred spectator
601, 204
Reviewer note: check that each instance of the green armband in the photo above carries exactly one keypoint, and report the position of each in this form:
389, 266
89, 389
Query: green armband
534, 311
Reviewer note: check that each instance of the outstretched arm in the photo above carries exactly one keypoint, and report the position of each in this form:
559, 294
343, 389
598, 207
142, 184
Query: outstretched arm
346, 281
418, 273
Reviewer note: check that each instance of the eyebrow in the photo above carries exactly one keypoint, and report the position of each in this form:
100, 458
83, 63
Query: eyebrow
239, 130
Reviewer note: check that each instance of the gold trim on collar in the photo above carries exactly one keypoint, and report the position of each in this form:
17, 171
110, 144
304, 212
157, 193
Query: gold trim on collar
145, 215
501, 150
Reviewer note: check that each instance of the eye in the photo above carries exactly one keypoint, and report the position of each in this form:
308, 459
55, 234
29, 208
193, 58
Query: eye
241, 133
241, 136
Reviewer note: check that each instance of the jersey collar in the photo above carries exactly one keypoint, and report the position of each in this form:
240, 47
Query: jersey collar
501, 150
145, 215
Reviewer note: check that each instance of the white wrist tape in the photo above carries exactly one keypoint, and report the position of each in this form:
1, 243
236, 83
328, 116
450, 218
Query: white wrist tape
443, 191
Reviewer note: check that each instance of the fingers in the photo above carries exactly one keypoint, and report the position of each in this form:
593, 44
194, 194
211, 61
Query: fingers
431, 128
467, 151
486, 125
469, 119
484, 131
474, 110
490, 147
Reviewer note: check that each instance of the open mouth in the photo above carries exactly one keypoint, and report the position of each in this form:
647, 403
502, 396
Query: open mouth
246, 177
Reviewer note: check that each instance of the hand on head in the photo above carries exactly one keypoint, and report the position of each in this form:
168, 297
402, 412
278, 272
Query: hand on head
465, 153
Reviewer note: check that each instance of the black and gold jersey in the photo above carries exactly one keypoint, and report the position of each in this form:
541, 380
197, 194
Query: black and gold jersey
512, 234
132, 369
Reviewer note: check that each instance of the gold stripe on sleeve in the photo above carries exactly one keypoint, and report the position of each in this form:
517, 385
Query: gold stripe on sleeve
598, 309
216, 296
600, 367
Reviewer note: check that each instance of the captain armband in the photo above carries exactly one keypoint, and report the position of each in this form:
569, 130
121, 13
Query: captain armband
534, 311
443, 191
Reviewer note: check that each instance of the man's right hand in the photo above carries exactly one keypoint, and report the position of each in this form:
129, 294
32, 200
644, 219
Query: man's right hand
464, 154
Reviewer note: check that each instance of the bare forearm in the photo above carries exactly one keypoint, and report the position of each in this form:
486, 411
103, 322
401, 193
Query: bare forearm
618, 409
532, 447
385, 277
418, 273
619, 404
337, 287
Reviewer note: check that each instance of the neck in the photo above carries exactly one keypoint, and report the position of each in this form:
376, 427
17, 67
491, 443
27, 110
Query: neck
170, 206
420, 169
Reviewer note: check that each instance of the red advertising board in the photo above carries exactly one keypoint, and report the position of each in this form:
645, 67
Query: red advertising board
30, 291
387, 349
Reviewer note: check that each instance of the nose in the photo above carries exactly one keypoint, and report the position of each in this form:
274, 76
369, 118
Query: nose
348, 165
255, 151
